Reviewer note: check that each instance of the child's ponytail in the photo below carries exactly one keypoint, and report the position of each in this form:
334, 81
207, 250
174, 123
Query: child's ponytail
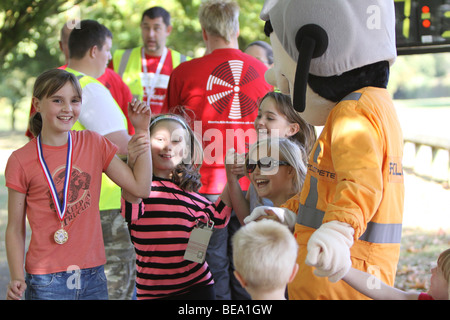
35, 124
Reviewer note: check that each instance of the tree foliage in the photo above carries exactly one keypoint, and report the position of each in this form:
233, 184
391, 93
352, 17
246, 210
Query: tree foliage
420, 76
29, 29
21, 25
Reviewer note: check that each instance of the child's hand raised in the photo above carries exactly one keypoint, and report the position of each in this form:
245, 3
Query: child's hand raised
138, 144
139, 113
234, 165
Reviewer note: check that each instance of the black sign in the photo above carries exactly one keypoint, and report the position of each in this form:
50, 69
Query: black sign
422, 26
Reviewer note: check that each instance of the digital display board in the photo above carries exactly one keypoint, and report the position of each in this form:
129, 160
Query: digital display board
422, 26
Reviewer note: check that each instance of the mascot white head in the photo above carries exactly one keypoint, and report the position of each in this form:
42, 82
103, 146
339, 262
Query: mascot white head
326, 49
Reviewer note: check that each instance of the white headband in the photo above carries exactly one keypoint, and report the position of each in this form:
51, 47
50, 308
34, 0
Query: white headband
169, 117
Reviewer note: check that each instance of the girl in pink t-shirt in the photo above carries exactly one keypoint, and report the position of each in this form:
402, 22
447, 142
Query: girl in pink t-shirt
54, 182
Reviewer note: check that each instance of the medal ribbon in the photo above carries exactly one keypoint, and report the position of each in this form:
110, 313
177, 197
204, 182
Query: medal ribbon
149, 90
59, 205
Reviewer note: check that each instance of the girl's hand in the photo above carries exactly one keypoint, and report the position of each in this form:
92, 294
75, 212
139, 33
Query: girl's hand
138, 144
16, 288
234, 165
139, 113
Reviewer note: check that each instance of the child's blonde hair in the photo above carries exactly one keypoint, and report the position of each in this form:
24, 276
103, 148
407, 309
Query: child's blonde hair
264, 254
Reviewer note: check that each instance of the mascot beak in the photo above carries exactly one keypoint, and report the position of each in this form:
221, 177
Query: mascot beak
311, 42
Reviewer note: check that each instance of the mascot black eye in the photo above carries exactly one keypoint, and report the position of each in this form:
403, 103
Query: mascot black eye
311, 42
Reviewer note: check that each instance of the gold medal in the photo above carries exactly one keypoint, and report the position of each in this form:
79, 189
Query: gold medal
61, 236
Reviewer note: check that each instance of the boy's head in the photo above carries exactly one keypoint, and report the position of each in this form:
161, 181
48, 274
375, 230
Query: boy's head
85, 35
264, 255
91, 40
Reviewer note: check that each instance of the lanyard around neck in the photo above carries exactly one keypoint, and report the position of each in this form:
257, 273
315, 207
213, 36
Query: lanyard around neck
60, 206
149, 90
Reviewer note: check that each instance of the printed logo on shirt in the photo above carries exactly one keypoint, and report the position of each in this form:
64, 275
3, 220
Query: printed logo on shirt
224, 89
79, 196
395, 170
321, 173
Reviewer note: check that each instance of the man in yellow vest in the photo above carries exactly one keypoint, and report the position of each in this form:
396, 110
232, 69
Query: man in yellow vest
89, 47
146, 69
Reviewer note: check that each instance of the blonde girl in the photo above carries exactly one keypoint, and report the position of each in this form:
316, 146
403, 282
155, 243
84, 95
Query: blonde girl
54, 182
276, 170
276, 118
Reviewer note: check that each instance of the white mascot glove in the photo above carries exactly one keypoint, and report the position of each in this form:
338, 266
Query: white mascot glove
285, 216
329, 250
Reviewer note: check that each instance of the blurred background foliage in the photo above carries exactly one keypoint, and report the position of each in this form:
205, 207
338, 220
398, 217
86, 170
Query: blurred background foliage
29, 34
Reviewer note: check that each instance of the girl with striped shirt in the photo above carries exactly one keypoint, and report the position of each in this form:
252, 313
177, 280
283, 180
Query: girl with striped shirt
161, 225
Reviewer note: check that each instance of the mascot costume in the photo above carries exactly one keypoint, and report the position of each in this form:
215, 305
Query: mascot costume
333, 58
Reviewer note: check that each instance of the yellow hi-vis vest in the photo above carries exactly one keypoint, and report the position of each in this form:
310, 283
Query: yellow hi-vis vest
128, 64
110, 193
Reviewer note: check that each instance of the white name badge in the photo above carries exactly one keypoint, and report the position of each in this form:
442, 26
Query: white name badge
198, 244
160, 81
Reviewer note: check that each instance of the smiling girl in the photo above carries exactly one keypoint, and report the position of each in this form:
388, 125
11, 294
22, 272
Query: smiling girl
54, 181
276, 170
162, 223
276, 118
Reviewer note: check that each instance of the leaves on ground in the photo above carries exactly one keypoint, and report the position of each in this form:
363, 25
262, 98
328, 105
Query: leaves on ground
418, 255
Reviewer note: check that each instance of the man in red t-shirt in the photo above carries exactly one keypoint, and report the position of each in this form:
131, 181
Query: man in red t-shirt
222, 89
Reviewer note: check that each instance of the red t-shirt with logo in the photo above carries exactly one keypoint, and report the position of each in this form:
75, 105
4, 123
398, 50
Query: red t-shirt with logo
222, 89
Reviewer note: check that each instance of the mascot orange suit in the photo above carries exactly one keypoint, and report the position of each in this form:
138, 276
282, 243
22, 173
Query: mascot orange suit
333, 58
